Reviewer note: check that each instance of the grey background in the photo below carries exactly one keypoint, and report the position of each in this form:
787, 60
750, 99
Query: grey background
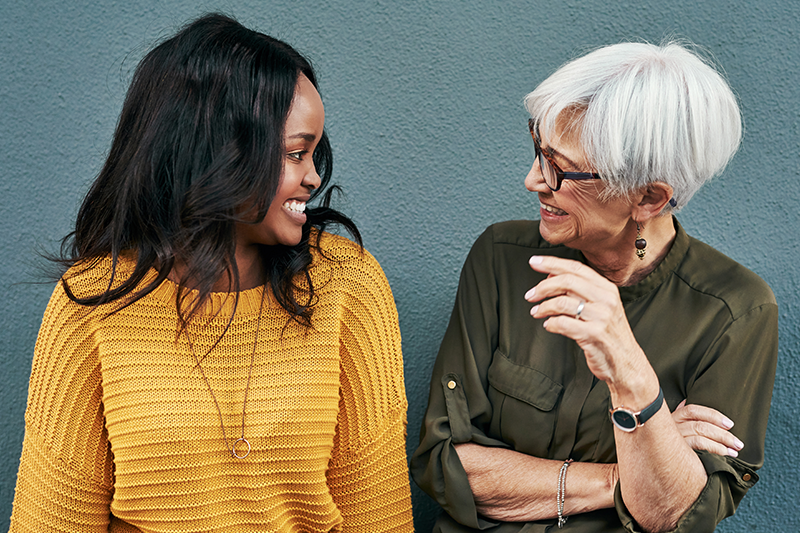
423, 103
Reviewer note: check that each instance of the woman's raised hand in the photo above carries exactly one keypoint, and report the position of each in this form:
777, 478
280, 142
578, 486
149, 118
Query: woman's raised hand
704, 428
581, 304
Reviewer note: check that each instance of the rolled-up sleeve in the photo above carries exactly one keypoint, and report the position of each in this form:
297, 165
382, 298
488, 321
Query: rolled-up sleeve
708, 325
736, 378
459, 409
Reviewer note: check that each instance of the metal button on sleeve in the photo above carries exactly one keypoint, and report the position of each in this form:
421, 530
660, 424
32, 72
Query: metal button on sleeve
746, 477
451, 384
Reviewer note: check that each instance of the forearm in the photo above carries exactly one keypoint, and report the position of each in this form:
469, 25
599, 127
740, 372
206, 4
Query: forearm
660, 475
515, 487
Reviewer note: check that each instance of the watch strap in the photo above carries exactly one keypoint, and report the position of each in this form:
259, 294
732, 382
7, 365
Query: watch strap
647, 413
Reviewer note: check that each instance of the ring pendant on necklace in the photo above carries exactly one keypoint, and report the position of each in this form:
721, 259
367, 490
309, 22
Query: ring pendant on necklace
242, 439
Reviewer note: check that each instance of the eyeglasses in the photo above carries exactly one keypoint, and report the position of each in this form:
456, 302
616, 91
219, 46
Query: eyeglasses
553, 175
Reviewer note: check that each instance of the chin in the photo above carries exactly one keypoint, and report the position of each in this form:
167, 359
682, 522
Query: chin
548, 235
290, 240
564, 238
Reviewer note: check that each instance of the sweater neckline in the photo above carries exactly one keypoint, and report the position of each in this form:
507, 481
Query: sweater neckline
219, 303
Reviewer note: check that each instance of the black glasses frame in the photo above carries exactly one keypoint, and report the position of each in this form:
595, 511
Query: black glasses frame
552, 173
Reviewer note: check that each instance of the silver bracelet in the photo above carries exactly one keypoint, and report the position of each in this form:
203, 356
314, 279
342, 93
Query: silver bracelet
561, 493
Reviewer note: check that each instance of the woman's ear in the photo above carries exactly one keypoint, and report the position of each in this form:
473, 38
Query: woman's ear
652, 200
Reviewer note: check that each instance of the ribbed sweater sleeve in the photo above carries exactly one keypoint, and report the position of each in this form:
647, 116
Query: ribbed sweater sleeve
65, 476
368, 472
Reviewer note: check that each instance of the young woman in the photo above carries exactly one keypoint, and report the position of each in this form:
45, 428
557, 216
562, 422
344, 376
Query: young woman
211, 359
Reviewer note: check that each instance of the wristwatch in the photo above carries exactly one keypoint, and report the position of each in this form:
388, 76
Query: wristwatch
628, 421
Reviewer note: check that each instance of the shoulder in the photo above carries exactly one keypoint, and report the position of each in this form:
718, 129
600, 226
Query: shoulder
336, 247
351, 266
711, 272
94, 276
351, 289
510, 241
65, 345
64, 316
342, 255
75, 294
515, 233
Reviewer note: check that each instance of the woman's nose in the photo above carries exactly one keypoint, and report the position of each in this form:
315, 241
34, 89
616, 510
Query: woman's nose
312, 179
534, 181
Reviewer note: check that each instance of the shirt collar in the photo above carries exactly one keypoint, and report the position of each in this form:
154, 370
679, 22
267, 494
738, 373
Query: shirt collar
668, 265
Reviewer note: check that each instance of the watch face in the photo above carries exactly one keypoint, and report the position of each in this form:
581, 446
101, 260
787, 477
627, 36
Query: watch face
624, 420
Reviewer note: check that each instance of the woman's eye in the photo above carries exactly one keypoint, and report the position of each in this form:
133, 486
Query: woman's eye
297, 156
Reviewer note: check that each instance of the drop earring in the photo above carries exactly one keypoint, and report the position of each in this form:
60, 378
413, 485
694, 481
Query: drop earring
640, 243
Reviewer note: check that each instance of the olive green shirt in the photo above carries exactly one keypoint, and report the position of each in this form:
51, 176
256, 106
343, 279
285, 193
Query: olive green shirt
709, 328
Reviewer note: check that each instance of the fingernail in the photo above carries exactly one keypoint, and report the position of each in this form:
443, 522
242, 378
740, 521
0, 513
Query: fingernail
739, 444
530, 293
732, 452
544, 324
534, 309
535, 260
727, 423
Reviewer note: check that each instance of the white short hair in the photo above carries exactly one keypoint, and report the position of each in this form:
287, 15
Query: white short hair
644, 113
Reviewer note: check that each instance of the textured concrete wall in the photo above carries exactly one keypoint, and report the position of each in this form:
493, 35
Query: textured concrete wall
423, 103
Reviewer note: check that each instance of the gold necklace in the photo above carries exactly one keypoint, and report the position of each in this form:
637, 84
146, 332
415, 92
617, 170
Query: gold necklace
241, 440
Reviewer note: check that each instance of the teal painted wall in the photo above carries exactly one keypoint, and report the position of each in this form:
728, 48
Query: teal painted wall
424, 110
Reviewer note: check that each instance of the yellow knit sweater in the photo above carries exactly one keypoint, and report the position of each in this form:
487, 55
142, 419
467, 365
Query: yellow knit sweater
122, 433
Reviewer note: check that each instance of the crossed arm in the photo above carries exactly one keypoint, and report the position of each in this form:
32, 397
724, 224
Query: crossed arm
692, 455
660, 475
510, 486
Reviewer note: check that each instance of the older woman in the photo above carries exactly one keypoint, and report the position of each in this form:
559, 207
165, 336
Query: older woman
602, 370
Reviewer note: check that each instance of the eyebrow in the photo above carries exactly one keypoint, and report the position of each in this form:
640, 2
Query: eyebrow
310, 137
553, 153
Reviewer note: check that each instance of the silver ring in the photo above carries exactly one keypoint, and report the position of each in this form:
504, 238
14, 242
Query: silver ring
581, 305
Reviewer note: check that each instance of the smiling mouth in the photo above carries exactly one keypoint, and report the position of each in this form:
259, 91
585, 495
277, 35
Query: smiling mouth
553, 210
294, 206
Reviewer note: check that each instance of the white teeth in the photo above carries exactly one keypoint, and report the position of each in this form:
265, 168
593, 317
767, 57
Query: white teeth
294, 205
551, 209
